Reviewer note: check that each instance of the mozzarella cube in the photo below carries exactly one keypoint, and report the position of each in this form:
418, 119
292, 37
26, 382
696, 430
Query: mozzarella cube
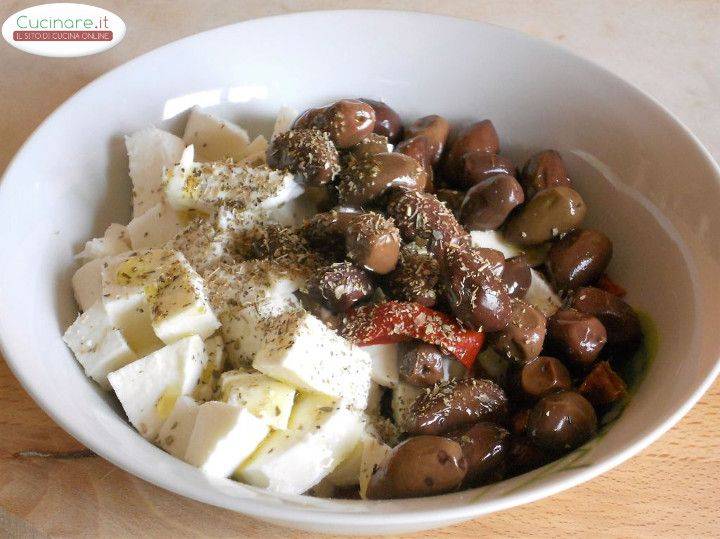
403, 397
320, 435
541, 295
214, 139
175, 432
149, 387
215, 351
254, 153
98, 346
268, 399
206, 186
302, 351
114, 241
149, 152
384, 364
179, 304
87, 283
283, 121
223, 437
493, 239
347, 473
374, 452
155, 226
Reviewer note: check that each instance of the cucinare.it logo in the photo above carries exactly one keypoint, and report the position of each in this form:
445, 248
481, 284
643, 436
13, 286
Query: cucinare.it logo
63, 30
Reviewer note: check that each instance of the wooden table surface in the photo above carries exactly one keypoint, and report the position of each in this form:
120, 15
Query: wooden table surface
52, 485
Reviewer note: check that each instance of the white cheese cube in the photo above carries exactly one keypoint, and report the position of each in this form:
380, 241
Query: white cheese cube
493, 239
114, 241
179, 304
384, 366
206, 186
175, 432
321, 433
155, 227
403, 396
214, 139
87, 282
347, 473
254, 153
149, 152
210, 378
149, 387
541, 295
283, 121
302, 351
268, 399
97, 345
373, 453
223, 437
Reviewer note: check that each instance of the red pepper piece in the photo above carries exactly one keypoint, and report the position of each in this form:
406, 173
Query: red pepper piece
610, 286
397, 321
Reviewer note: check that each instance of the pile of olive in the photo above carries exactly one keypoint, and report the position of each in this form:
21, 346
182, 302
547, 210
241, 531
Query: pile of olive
400, 229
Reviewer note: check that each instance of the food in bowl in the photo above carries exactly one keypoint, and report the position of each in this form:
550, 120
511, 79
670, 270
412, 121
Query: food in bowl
354, 308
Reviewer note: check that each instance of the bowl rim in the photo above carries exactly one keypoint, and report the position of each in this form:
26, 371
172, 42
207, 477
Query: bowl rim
289, 514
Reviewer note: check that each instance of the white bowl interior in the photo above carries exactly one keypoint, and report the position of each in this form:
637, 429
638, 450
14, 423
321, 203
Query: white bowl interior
647, 182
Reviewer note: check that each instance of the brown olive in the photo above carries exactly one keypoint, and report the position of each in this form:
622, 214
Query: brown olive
387, 121
346, 122
368, 178
474, 293
561, 421
421, 216
341, 285
452, 199
602, 386
419, 466
575, 336
307, 153
420, 149
416, 276
518, 421
435, 128
542, 375
578, 258
488, 203
544, 169
522, 339
370, 145
478, 137
624, 333
516, 276
551, 212
422, 365
485, 446
523, 456
478, 166
456, 403
326, 231
373, 242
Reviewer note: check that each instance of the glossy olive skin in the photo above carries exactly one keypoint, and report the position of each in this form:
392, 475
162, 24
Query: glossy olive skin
307, 153
624, 333
478, 137
488, 203
341, 285
543, 375
370, 145
602, 385
373, 242
419, 466
419, 148
576, 337
452, 199
516, 276
475, 294
578, 258
522, 339
346, 122
478, 166
523, 456
436, 129
561, 422
485, 446
551, 212
544, 169
456, 403
422, 364
326, 231
368, 178
387, 121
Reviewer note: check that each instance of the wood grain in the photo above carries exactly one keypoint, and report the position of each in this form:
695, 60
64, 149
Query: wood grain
52, 486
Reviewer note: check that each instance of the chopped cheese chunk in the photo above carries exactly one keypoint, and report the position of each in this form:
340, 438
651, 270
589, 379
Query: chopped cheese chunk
214, 139
175, 432
268, 399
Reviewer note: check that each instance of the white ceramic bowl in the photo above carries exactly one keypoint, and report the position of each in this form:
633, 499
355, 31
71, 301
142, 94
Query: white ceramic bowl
647, 181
